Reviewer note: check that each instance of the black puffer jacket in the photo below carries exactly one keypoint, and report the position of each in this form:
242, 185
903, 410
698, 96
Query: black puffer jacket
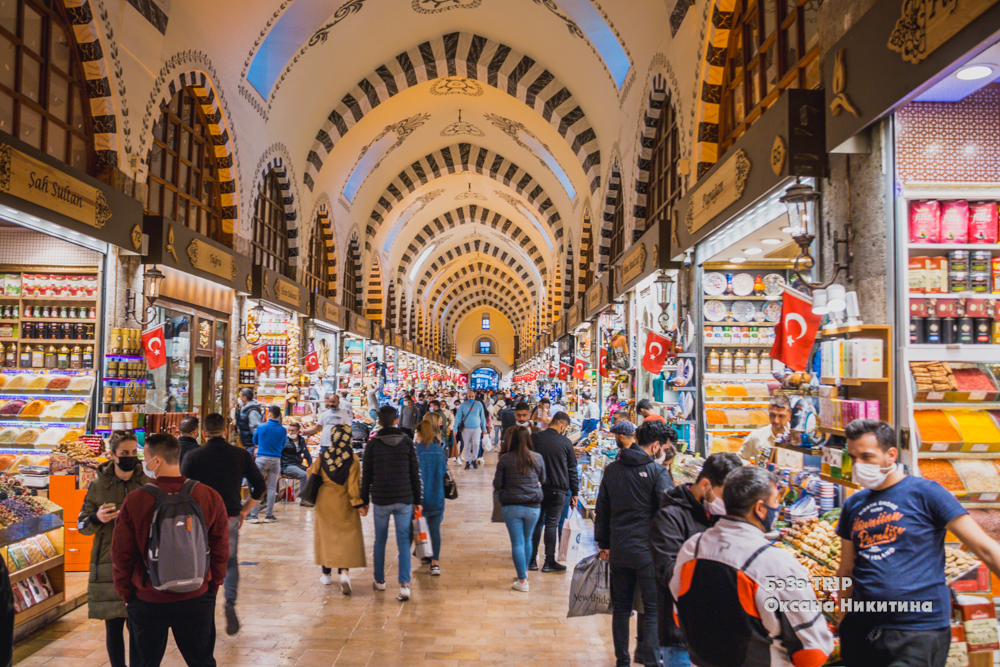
515, 488
680, 516
390, 472
630, 494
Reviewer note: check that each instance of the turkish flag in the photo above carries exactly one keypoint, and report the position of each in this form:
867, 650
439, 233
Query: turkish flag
657, 348
563, 373
552, 372
260, 358
311, 362
602, 365
579, 368
795, 332
155, 347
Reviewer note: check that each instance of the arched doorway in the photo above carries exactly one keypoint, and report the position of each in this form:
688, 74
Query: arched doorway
484, 377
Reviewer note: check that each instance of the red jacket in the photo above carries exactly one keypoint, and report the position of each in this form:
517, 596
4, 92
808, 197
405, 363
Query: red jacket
131, 538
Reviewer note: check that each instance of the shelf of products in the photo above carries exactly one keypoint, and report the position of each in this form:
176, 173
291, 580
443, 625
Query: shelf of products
124, 382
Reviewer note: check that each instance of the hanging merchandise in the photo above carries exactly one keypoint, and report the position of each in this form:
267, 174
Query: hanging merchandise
618, 355
795, 332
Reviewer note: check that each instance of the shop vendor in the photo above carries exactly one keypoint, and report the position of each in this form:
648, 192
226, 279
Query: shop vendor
761, 441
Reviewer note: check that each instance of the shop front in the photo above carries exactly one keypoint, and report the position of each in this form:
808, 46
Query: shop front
323, 333
353, 374
64, 239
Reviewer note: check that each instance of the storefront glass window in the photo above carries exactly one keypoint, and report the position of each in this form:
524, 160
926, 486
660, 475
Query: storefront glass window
221, 336
37, 100
169, 386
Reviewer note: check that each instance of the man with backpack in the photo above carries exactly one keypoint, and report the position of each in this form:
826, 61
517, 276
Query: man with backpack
247, 417
168, 554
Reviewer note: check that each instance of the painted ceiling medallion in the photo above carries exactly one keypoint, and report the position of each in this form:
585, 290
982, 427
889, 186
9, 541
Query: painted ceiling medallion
457, 85
460, 127
469, 194
510, 199
438, 6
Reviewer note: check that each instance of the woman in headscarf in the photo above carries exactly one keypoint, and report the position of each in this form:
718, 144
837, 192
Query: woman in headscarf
337, 537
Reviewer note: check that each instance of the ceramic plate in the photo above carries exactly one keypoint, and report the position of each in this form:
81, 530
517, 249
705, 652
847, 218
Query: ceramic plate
742, 284
715, 311
744, 311
772, 311
715, 284
773, 284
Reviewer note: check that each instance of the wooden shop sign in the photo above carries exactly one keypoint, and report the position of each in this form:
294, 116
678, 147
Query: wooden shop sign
924, 25
186, 250
633, 264
722, 188
572, 317
212, 260
594, 297
272, 286
327, 311
360, 325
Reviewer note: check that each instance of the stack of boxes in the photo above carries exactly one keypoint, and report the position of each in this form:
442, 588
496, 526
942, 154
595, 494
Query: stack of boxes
854, 358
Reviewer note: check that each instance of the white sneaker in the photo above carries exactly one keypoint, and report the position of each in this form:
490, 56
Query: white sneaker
326, 580
479, 461
519, 586
378, 585
404, 593
345, 583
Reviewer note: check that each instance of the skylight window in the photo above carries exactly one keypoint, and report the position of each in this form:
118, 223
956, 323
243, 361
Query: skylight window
553, 164
420, 260
600, 35
288, 34
366, 164
538, 226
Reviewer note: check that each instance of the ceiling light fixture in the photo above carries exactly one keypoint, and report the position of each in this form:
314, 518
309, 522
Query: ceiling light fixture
737, 260
752, 251
787, 230
771, 241
974, 72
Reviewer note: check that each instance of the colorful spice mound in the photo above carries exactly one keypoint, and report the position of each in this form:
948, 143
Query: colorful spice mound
935, 426
714, 390
737, 417
976, 427
972, 379
11, 408
979, 475
58, 382
758, 417
943, 473
735, 390
988, 520
716, 416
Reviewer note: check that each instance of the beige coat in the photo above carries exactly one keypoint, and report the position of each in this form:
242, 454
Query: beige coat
337, 538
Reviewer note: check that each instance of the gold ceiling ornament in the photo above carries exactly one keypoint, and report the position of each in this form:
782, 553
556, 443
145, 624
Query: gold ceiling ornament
469, 194
779, 154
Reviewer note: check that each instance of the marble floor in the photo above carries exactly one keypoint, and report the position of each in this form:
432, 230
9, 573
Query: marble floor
467, 615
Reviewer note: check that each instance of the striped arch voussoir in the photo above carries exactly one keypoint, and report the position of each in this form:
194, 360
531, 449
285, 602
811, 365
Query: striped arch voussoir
604, 243
469, 56
487, 248
647, 131
470, 302
95, 70
330, 243
277, 165
354, 250
710, 96
499, 286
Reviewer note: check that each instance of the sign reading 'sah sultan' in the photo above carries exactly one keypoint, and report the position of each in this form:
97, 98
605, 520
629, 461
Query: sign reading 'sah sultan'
633, 264
32, 180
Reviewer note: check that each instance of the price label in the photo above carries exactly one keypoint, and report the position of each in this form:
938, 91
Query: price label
987, 497
935, 396
977, 396
939, 447
980, 448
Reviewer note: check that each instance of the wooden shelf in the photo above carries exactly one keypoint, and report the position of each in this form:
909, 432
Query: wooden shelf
739, 345
57, 298
40, 608
840, 331
68, 320
37, 568
830, 430
53, 341
841, 482
809, 451
952, 295
723, 323
853, 382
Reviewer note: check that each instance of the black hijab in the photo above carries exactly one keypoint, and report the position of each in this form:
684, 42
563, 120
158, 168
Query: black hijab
336, 459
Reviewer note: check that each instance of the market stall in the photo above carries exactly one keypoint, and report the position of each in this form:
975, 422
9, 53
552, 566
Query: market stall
351, 375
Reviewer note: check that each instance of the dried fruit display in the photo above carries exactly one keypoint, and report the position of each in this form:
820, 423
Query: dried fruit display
76, 450
817, 539
932, 376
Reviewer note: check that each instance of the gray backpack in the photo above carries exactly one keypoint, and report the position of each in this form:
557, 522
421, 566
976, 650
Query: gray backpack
178, 541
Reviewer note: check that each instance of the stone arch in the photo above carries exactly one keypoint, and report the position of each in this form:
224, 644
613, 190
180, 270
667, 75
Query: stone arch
353, 256
278, 166
711, 76
469, 302
469, 214
486, 248
460, 158
499, 286
375, 293
204, 89
586, 253
468, 56
647, 134
325, 223
614, 187
566, 288
390, 304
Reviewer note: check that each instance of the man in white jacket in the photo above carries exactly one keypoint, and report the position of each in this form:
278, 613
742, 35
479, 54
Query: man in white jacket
740, 599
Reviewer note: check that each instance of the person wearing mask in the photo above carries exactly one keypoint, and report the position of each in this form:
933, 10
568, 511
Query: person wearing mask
644, 409
189, 435
591, 416
456, 440
115, 480
685, 510
337, 538
422, 406
484, 400
330, 417
224, 467
471, 418
561, 483
522, 417
629, 496
624, 432
390, 481
541, 416
409, 416
447, 424
761, 440
295, 458
152, 613
722, 582
247, 417
269, 439
433, 466
373, 403
495, 410
518, 482
892, 547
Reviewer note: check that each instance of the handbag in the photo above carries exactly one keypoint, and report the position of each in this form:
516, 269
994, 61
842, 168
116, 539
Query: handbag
310, 488
497, 516
450, 487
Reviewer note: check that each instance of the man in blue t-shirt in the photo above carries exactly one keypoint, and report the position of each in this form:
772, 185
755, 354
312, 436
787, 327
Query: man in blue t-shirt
892, 547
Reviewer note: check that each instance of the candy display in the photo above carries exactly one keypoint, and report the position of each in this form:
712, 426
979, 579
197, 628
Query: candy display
816, 538
957, 562
932, 376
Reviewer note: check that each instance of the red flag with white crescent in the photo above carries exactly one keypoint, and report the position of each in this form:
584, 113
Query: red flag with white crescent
657, 348
154, 345
564, 370
311, 362
261, 359
579, 368
795, 332
602, 365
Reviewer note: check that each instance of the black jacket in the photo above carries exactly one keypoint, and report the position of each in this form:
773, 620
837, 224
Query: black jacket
507, 418
390, 471
517, 489
223, 467
188, 445
294, 451
560, 461
628, 498
680, 516
6, 617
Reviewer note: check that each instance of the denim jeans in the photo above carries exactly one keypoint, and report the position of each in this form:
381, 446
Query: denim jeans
402, 517
553, 503
520, 520
270, 468
299, 473
624, 581
675, 657
497, 436
232, 581
434, 528
471, 438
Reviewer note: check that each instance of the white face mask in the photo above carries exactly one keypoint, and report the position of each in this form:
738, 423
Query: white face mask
661, 457
716, 507
870, 475
149, 473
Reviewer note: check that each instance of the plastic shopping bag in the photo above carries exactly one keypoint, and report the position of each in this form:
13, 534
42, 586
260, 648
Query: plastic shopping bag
577, 540
590, 590
421, 537
487, 443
